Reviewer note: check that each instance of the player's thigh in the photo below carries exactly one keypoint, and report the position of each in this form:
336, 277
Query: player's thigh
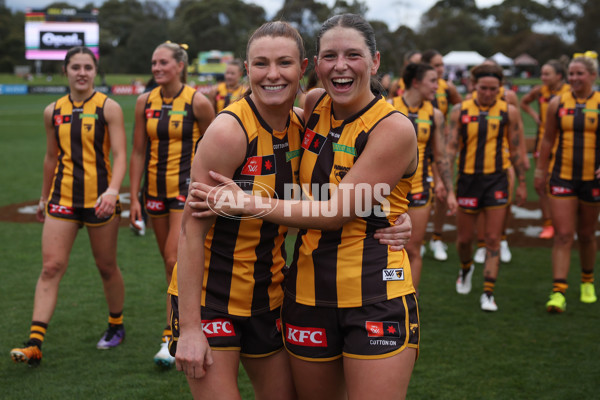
103, 240
318, 380
381, 379
220, 381
261, 372
58, 237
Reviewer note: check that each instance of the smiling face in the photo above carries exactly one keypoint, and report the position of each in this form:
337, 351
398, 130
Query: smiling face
274, 70
345, 66
428, 85
165, 68
81, 72
581, 78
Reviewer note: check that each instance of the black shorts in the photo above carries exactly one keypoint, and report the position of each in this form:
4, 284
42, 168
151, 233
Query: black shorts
420, 199
475, 192
81, 216
586, 191
256, 336
374, 331
161, 206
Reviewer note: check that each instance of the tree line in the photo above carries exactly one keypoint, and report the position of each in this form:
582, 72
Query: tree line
131, 29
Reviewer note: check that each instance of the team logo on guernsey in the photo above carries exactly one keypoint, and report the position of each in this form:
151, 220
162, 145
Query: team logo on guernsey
301, 336
563, 112
61, 210
313, 142
150, 113
393, 274
469, 118
382, 328
260, 165
219, 327
62, 119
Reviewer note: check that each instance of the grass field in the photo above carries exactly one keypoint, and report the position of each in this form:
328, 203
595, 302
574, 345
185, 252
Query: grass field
519, 352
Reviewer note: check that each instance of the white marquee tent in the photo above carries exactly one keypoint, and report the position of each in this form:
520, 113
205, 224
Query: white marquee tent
463, 58
503, 60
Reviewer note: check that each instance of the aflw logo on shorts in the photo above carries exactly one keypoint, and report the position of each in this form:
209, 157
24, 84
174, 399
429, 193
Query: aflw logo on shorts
393, 274
382, 328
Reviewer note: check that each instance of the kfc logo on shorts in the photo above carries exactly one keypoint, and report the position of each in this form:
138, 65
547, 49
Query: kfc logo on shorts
155, 205
219, 327
500, 194
557, 190
310, 337
61, 210
468, 201
382, 328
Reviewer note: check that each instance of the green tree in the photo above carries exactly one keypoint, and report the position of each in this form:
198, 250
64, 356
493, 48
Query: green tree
216, 24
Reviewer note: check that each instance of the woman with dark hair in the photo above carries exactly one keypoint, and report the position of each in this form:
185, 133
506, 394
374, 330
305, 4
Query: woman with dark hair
79, 189
169, 121
573, 187
349, 313
416, 103
480, 130
553, 84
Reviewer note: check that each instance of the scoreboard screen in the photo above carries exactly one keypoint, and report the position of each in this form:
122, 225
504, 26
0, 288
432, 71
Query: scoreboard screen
51, 32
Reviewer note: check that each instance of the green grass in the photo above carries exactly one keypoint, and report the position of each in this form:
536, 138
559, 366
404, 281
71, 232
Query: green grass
519, 352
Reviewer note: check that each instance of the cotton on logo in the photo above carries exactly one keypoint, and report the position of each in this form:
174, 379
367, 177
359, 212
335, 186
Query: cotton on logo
155, 205
311, 337
467, 201
217, 327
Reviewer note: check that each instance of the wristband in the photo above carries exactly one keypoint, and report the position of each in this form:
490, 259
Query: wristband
111, 192
539, 173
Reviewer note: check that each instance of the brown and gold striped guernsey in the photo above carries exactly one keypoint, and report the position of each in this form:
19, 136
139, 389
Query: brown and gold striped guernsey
578, 152
424, 123
441, 96
225, 96
482, 136
543, 100
347, 267
83, 171
172, 132
244, 257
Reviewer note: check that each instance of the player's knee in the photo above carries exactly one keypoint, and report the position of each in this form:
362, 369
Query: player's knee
52, 269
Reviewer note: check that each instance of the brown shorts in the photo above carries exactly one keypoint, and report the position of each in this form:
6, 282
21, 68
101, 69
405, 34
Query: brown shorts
475, 192
256, 336
374, 331
420, 199
586, 191
81, 216
161, 206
